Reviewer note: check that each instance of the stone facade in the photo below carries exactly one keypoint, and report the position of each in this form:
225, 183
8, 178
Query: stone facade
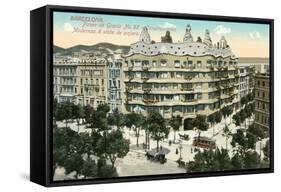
186, 78
262, 101
80, 80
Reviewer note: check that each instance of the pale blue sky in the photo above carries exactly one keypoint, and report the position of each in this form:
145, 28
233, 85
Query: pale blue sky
246, 35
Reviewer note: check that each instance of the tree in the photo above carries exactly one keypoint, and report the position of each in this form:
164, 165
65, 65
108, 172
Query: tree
226, 111
227, 134
73, 162
89, 168
210, 160
211, 119
116, 119
118, 147
157, 127
55, 106
237, 119
266, 151
98, 121
237, 161
243, 116
77, 113
135, 121
175, 123
104, 108
218, 117
86, 144
105, 170
200, 122
256, 130
251, 160
244, 101
239, 138
250, 97
64, 112
88, 110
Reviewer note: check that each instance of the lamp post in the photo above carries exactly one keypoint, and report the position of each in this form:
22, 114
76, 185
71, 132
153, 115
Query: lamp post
180, 147
260, 140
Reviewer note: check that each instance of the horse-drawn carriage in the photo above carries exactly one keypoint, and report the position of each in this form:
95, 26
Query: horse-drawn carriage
157, 157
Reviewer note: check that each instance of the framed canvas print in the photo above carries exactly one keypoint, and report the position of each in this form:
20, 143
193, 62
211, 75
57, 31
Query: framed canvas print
120, 95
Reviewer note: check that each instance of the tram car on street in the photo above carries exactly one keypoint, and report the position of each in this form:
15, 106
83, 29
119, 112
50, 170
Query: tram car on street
204, 142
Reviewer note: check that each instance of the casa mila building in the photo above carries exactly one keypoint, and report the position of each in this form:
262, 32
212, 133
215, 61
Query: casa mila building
185, 78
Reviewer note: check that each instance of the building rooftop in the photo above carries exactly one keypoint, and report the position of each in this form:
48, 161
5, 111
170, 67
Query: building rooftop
187, 47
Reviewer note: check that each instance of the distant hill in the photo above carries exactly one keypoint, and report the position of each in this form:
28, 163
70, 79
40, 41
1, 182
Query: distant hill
253, 60
57, 49
102, 47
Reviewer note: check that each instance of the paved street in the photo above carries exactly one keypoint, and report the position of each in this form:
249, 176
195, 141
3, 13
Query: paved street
135, 163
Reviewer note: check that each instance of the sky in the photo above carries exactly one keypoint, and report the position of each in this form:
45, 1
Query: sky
70, 29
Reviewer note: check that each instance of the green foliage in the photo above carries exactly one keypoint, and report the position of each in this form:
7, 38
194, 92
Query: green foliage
157, 127
105, 170
69, 147
256, 130
218, 116
237, 119
240, 139
251, 160
116, 119
200, 122
266, 151
64, 112
211, 119
88, 111
89, 168
118, 147
73, 162
210, 160
175, 122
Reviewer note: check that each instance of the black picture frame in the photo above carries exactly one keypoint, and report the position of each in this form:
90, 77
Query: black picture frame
41, 42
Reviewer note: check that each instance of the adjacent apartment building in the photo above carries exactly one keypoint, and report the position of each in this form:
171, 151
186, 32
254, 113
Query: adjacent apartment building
184, 78
262, 100
114, 82
80, 80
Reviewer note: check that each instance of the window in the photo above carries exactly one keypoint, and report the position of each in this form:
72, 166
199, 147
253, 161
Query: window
201, 107
177, 63
163, 62
199, 63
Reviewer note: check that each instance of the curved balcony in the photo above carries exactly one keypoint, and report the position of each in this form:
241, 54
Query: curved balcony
147, 90
145, 79
187, 89
149, 101
145, 68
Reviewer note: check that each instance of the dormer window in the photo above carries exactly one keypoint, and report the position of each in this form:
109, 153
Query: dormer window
177, 63
163, 62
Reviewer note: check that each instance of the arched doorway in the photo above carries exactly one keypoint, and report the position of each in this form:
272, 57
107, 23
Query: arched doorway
187, 125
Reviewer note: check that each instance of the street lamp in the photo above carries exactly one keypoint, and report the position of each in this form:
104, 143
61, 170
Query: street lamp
260, 140
180, 147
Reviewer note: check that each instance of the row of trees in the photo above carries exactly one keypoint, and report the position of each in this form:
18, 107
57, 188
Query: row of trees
87, 153
244, 114
244, 154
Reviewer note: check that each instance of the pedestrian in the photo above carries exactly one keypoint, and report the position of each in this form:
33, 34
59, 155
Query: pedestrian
177, 151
